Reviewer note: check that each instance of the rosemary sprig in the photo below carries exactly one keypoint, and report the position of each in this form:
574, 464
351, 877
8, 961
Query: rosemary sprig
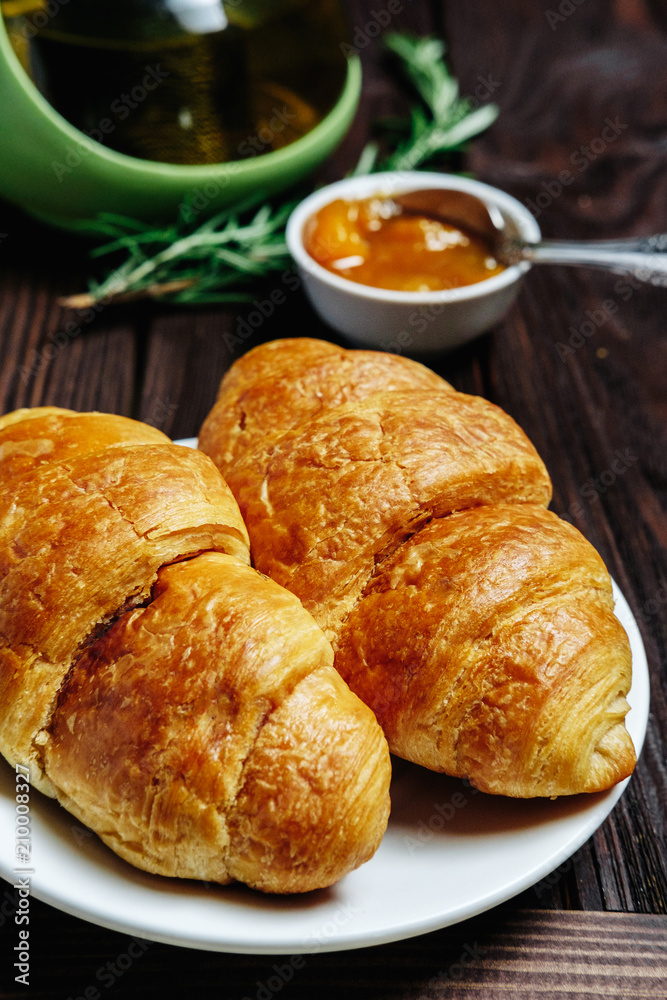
447, 121
221, 259
186, 266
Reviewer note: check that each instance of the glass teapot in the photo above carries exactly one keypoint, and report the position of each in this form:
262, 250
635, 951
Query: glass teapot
129, 105
184, 81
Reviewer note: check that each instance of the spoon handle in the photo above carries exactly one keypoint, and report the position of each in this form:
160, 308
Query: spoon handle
643, 257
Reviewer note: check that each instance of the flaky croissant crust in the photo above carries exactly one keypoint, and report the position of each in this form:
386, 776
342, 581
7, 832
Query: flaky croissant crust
176, 701
411, 521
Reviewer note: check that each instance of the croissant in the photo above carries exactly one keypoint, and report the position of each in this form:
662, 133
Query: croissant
411, 520
174, 700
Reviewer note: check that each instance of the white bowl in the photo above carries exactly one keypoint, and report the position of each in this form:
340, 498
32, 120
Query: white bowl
404, 322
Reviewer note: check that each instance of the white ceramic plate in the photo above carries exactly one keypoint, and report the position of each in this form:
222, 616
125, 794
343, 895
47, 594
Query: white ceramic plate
448, 854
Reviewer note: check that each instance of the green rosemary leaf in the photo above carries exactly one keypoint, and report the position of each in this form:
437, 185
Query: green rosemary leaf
367, 160
460, 132
424, 64
241, 262
128, 242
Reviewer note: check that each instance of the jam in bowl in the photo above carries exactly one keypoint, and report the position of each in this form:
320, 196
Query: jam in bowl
398, 280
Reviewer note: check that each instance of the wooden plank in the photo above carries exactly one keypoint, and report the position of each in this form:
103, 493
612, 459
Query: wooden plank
48, 355
527, 953
556, 954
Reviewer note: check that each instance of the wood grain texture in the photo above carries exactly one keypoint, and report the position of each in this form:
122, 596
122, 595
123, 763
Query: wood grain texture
507, 952
580, 362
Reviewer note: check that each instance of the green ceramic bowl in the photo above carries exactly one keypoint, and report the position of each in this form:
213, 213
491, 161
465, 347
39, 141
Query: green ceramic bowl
58, 174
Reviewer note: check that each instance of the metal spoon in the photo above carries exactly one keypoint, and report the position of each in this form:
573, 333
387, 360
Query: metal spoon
643, 257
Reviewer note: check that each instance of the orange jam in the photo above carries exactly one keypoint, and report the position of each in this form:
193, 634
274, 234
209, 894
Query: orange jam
374, 243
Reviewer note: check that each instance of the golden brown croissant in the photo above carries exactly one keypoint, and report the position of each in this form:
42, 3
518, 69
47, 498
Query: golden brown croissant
180, 704
411, 520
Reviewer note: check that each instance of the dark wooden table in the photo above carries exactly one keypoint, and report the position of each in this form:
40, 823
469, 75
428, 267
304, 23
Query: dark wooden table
580, 362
